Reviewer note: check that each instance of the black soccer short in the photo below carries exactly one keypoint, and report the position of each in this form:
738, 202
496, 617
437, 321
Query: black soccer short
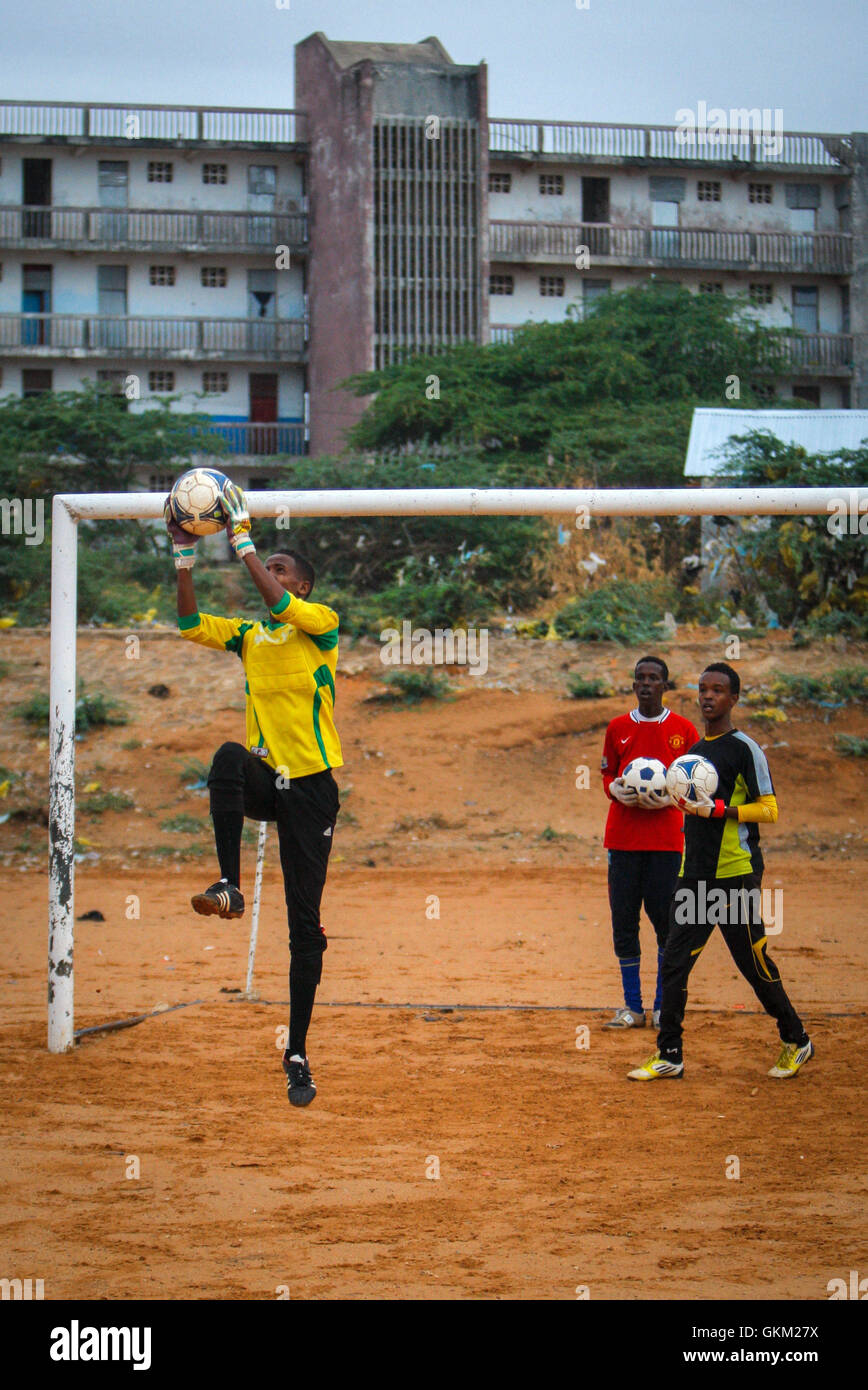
305, 812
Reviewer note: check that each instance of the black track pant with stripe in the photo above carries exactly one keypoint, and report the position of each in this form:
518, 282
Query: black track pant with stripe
305, 811
733, 904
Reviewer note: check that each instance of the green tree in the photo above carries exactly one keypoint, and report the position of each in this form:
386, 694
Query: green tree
646, 345
808, 570
87, 441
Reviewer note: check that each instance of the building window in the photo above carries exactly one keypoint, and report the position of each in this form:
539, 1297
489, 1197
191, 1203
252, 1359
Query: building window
161, 381
763, 390
160, 172
710, 287
111, 381
806, 308
501, 284
759, 192
593, 291
161, 482
215, 383
708, 191
35, 381
213, 277
551, 286
809, 394
552, 184
760, 294
500, 183
161, 274
214, 173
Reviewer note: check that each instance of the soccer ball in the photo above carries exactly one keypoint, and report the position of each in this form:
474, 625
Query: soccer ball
691, 774
645, 775
195, 501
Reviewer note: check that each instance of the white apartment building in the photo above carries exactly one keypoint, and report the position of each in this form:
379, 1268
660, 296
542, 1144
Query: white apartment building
247, 262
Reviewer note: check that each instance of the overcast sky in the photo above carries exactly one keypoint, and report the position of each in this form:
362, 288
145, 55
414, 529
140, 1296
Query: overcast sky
618, 60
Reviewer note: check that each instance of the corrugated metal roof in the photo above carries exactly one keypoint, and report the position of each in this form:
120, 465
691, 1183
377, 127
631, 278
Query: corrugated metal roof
818, 431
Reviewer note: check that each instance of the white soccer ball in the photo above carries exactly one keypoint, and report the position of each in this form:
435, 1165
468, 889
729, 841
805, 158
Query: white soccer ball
689, 775
195, 501
645, 775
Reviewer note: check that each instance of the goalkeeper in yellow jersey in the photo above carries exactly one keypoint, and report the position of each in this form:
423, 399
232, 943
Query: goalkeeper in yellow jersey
282, 772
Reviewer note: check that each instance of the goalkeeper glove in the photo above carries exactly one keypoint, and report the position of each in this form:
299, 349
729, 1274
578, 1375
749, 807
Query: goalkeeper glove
183, 544
628, 796
238, 523
702, 806
654, 801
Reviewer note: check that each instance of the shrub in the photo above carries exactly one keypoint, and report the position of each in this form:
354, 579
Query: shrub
98, 802
851, 745
93, 710
617, 611
184, 825
411, 687
848, 684
582, 689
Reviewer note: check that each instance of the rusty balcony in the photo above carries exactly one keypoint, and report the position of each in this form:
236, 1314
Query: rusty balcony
558, 243
76, 122
603, 143
149, 229
173, 339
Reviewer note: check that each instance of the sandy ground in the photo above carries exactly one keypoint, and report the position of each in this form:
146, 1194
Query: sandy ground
461, 1145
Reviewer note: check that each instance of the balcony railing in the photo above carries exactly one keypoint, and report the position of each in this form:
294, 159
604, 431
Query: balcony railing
818, 353
223, 125
100, 229
558, 243
247, 437
600, 142
104, 335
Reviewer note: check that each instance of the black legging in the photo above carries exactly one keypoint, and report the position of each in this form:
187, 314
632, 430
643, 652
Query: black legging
305, 810
693, 915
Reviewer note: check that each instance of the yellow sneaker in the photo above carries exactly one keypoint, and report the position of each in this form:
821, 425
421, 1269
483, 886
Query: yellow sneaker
655, 1068
792, 1058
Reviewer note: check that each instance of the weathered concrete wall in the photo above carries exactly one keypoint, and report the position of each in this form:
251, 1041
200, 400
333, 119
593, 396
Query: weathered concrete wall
340, 276
859, 277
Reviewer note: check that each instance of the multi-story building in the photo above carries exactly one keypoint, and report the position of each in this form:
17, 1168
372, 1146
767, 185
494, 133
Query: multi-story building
247, 262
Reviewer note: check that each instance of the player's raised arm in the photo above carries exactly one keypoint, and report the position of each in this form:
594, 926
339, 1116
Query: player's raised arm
184, 555
282, 582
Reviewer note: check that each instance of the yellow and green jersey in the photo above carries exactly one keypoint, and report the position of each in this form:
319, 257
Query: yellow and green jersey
289, 661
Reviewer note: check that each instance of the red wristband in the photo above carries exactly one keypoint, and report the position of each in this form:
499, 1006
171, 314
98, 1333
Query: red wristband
719, 810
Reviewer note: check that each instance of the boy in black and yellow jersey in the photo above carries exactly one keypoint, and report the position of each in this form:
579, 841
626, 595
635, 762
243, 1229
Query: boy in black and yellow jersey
282, 772
720, 884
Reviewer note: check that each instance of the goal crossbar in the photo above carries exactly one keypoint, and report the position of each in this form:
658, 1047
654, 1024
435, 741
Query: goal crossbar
68, 509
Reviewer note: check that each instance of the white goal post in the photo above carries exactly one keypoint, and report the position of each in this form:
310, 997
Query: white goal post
69, 509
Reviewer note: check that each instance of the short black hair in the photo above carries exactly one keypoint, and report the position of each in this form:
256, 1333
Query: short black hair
724, 670
302, 565
655, 661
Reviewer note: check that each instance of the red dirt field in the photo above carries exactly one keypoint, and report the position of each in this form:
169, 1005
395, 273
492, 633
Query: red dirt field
555, 1173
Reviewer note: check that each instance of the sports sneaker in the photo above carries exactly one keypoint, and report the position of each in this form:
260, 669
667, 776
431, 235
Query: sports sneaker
792, 1058
655, 1068
627, 1018
300, 1085
655, 1018
222, 899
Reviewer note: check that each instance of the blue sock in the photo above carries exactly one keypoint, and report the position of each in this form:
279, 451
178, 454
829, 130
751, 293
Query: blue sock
631, 982
658, 994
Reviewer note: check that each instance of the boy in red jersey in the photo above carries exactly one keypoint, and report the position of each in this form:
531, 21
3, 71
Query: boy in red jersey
645, 841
